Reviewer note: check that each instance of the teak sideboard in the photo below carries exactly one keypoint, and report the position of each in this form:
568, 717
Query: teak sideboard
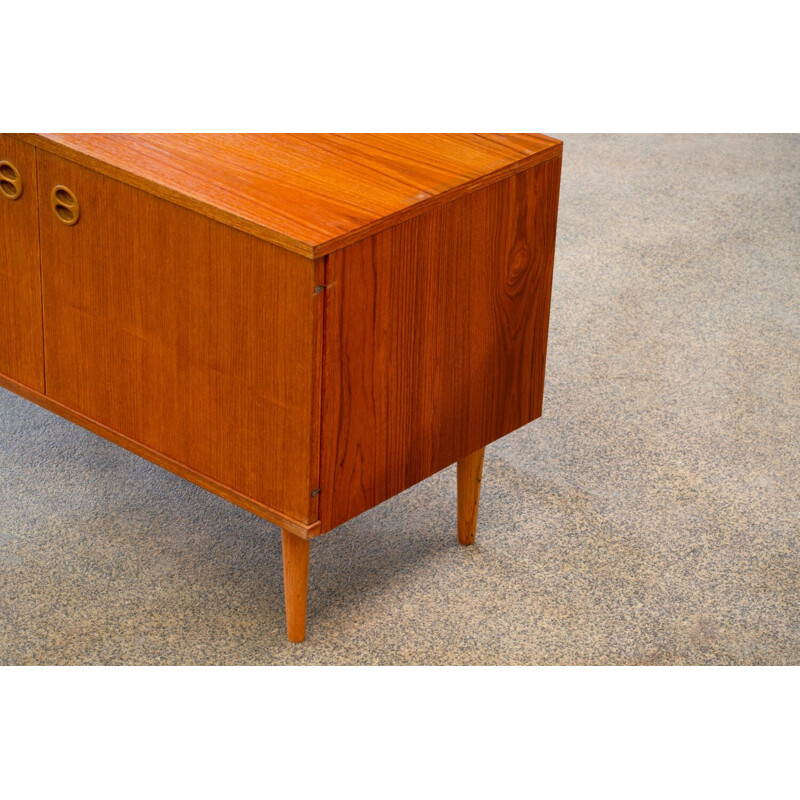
304, 324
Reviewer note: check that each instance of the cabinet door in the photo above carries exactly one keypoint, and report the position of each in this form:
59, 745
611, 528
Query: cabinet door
21, 355
182, 334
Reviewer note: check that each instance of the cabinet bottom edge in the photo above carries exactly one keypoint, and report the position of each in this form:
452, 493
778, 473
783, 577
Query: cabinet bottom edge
301, 529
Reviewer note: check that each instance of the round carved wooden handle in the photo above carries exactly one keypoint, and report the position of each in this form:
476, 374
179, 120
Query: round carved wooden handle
10, 181
65, 205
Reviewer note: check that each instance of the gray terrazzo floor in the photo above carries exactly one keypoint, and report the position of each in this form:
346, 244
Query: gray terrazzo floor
650, 516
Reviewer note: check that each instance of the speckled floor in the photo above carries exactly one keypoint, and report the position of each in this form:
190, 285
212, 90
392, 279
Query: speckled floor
650, 516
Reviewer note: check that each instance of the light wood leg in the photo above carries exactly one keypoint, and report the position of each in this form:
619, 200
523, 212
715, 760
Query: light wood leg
295, 584
470, 470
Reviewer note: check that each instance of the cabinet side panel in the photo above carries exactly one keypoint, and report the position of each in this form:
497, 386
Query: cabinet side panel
191, 338
21, 348
435, 339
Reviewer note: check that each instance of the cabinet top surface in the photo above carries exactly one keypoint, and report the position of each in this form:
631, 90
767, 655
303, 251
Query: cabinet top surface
311, 193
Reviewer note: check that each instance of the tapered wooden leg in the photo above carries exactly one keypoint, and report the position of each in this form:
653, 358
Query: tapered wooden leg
295, 584
470, 470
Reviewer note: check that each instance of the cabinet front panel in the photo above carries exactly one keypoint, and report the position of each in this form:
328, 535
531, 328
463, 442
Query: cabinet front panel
194, 339
21, 353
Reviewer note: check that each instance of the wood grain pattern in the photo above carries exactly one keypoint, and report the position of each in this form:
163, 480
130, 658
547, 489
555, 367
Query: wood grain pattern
435, 339
21, 348
190, 338
469, 475
295, 584
309, 193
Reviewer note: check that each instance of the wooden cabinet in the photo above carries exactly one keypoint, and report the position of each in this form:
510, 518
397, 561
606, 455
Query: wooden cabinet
305, 325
